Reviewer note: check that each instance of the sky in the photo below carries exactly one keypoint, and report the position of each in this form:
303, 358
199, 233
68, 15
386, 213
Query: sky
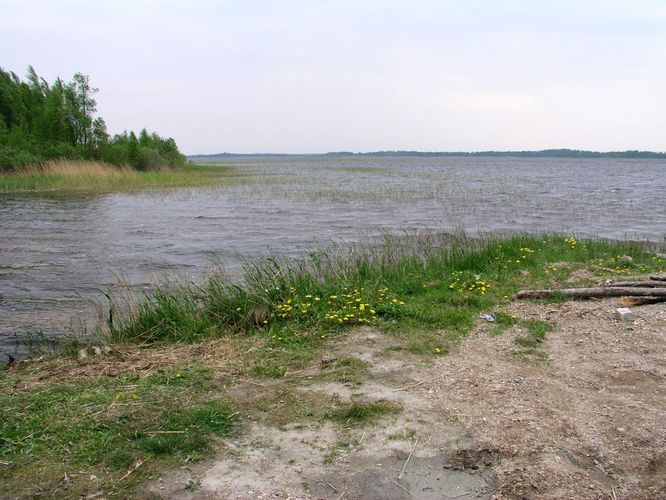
297, 76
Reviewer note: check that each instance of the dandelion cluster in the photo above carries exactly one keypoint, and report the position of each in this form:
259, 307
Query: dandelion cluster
348, 306
525, 252
572, 242
659, 263
464, 282
616, 264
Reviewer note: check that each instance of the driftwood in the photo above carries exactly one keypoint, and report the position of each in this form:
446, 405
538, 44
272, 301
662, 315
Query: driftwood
588, 293
661, 277
648, 284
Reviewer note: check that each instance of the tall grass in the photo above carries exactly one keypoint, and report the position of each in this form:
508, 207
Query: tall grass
66, 175
426, 283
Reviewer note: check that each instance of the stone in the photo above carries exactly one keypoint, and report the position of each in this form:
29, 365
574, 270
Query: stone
625, 260
489, 317
624, 314
327, 359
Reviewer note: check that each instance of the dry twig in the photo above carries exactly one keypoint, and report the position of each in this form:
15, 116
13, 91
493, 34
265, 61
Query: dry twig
460, 495
403, 489
136, 466
402, 472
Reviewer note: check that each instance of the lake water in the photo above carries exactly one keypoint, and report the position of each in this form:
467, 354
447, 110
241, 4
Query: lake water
58, 253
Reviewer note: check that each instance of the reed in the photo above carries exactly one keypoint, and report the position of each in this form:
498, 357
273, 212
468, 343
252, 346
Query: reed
91, 176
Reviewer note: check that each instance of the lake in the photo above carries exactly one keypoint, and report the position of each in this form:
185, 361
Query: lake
59, 253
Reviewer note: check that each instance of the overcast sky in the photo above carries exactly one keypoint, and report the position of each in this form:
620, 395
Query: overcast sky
359, 75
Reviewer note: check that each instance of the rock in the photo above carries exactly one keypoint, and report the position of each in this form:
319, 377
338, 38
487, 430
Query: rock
327, 359
624, 314
83, 354
625, 260
97, 350
489, 317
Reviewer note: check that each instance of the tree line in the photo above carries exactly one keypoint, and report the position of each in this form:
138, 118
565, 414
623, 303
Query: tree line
41, 121
545, 153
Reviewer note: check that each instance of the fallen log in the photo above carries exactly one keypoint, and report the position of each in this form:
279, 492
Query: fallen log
640, 301
649, 284
660, 277
589, 293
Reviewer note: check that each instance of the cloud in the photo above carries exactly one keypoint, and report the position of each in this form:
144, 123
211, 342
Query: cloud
359, 74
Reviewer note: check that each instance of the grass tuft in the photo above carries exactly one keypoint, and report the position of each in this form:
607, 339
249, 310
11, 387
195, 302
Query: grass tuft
362, 413
537, 333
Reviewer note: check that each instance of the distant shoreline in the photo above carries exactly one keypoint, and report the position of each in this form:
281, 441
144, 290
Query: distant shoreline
546, 153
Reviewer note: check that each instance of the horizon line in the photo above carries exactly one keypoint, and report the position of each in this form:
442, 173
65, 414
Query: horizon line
491, 152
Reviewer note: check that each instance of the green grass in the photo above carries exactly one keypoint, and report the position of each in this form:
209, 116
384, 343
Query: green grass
108, 424
429, 294
360, 413
503, 321
537, 331
529, 346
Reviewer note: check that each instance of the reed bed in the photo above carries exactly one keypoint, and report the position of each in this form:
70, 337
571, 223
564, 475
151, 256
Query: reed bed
70, 175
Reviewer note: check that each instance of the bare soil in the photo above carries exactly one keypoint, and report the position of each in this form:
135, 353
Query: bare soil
584, 416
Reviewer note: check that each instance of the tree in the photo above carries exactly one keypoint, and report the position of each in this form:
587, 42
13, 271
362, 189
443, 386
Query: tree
40, 121
100, 137
132, 149
81, 106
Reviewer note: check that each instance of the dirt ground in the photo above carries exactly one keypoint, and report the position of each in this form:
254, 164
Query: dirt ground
582, 417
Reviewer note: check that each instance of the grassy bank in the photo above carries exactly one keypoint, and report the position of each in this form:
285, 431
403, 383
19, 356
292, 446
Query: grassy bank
424, 284
86, 176
170, 385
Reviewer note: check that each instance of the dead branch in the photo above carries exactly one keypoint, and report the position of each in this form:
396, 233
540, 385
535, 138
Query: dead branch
587, 293
648, 284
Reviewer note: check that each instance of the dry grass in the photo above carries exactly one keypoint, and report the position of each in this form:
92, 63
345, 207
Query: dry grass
76, 175
224, 355
77, 169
